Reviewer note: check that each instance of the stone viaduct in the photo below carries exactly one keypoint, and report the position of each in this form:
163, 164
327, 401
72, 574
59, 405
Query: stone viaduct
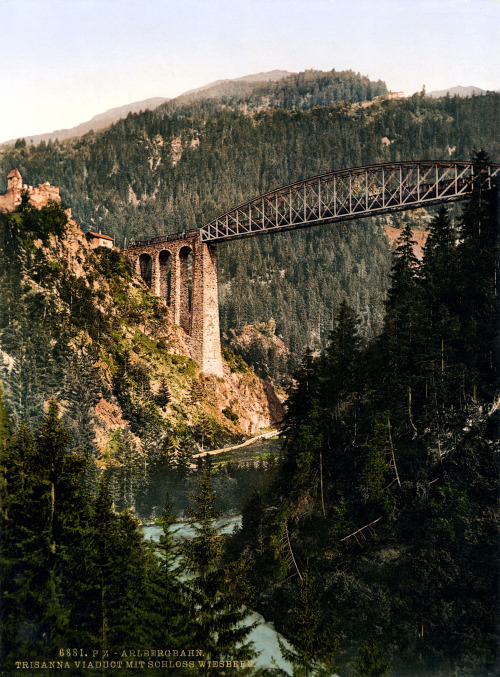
182, 268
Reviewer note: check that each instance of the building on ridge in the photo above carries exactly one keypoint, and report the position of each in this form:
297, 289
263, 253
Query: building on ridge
99, 240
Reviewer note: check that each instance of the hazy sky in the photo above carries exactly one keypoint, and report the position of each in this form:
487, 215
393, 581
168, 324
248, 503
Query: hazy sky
67, 60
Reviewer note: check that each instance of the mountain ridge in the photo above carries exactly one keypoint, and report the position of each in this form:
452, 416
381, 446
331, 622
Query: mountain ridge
459, 90
96, 123
259, 90
214, 89
265, 76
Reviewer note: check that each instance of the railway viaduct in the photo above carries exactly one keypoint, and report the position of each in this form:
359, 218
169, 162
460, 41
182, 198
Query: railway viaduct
164, 262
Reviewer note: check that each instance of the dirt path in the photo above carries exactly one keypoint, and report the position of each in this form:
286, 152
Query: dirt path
264, 436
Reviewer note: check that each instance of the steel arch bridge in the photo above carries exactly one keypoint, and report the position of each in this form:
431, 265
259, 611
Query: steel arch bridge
336, 196
350, 194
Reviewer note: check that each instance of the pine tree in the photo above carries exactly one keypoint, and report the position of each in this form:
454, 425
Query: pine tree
478, 269
41, 493
205, 429
340, 368
314, 649
398, 365
184, 454
302, 393
218, 620
170, 608
442, 365
371, 662
163, 396
165, 546
105, 535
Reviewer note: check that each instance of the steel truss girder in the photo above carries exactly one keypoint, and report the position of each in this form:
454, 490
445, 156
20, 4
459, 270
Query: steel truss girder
350, 194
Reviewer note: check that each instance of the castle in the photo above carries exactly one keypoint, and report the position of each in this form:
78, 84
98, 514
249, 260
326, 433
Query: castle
38, 196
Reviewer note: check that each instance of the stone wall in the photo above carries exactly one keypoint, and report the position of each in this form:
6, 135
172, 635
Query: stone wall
198, 316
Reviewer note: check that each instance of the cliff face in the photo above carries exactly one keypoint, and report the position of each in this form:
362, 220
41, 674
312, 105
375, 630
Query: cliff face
76, 324
420, 237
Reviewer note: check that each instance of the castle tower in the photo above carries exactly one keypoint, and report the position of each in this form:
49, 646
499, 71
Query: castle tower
14, 180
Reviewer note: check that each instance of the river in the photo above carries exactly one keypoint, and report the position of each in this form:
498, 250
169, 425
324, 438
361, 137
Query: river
143, 489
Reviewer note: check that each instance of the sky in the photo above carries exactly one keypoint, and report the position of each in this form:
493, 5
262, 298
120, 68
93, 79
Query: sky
65, 61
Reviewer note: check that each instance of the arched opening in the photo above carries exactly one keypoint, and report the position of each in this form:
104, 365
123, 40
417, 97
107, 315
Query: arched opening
165, 260
186, 278
146, 267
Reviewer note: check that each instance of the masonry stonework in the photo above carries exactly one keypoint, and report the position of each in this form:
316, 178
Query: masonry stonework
165, 265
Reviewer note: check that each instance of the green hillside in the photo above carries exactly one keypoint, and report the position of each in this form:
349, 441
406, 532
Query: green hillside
75, 325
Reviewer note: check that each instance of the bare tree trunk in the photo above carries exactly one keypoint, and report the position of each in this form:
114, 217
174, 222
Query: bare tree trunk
321, 481
392, 452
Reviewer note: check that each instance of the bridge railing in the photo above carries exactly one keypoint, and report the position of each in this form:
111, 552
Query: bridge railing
183, 235
348, 194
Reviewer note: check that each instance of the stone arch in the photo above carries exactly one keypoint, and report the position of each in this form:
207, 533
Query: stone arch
146, 268
166, 265
186, 264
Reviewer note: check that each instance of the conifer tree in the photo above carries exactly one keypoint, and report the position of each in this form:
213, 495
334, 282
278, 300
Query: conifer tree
339, 369
163, 396
478, 276
218, 620
170, 608
41, 499
370, 661
131, 594
14, 553
105, 535
302, 393
442, 361
165, 546
315, 650
398, 368
183, 454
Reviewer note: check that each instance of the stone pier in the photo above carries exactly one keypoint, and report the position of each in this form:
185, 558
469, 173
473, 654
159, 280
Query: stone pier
182, 270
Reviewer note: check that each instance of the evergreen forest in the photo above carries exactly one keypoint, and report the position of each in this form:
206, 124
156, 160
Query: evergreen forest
370, 540
372, 546
83, 592
191, 159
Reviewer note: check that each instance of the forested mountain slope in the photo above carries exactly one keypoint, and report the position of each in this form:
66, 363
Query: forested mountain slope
292, 90
382, 526
179, 166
